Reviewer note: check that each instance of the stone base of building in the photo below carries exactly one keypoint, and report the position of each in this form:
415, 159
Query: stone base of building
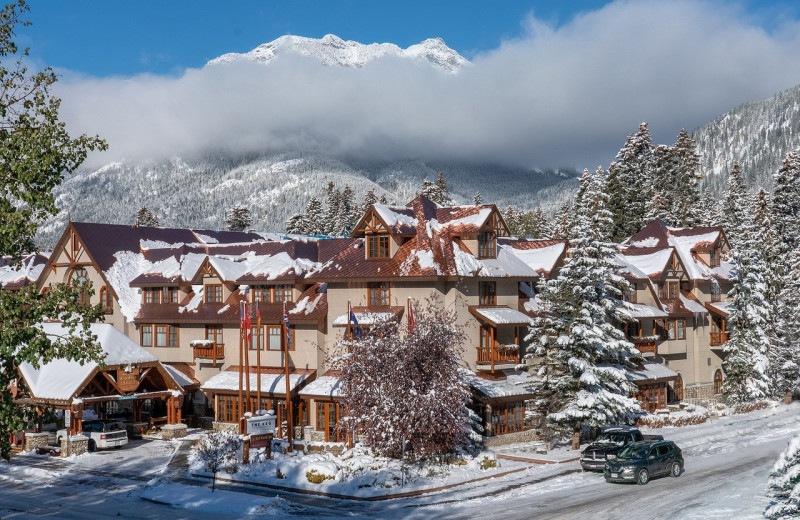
510, 438
700, 391
136, 429
205, 422
36, 440
173, 431
75, 445
225, 427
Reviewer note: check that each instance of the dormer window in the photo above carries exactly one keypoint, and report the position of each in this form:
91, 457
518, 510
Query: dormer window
272, 293
378, 246
714, 257
213, 293
160, 295
487, 245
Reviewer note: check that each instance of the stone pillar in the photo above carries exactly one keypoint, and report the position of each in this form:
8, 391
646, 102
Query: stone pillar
173, 431
76, 445
35, 440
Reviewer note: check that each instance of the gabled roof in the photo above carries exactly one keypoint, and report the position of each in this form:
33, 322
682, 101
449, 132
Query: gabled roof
15, 275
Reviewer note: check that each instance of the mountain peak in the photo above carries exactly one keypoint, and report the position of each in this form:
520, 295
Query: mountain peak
332, 50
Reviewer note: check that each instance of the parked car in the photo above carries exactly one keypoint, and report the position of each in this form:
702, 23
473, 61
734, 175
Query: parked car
641, 461
609, 444
102, 434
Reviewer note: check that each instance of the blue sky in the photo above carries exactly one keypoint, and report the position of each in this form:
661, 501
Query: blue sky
550, 84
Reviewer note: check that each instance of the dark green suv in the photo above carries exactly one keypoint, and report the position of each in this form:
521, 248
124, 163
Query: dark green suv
641, 461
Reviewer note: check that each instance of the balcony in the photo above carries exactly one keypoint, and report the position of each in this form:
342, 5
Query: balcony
208, 350
500, 355
718, 338
645, 343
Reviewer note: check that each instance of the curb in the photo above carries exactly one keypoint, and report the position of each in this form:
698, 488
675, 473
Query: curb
535, 461
357, 498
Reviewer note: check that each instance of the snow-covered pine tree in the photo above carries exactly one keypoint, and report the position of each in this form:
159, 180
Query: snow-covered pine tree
563, 221
333, 211
584, 374
710, 210
783, 487
513, 219
399, 387
629, 184
746, 364
296, 224
146, 219
536, 223
686, 209
430, 190
369, 199
314, 218
660, 206
238, 218
344, 219
736, 206
784, 356
477, 200
445, 198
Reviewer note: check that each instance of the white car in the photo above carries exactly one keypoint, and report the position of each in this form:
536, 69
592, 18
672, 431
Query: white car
102, 434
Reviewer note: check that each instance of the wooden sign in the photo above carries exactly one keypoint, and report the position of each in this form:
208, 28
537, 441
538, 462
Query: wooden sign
128, 380
261, 424
261, 441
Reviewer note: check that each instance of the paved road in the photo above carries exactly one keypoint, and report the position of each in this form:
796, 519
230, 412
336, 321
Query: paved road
725, 475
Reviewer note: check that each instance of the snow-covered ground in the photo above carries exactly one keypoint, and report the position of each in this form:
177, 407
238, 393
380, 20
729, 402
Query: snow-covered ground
728, 461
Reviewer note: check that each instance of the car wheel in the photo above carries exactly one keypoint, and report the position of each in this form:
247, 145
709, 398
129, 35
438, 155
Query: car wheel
92, 445
675, 470
643, 477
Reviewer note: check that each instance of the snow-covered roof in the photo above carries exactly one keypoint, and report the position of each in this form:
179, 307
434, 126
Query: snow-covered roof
18, 275
502, 315
179, 377
517, 383
650, 371
639, 311
722, 308
323, 386
647, 264
506, 264
540, 260
270, 383
364, 318
693, 305
60, 379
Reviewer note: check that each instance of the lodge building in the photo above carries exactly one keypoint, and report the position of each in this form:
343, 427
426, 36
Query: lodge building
177, 293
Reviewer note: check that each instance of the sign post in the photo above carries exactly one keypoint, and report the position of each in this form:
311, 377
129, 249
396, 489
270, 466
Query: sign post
68, 425
261, 430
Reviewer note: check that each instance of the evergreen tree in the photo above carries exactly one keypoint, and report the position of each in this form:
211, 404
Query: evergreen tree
513, 220
145, 218
296, 225
563, 221
238, 218
37, 152
445, 199
686, 210
786, 205
735, 206
746, 364
384, 200
660, 206
629, 184
709, 210
584, 374
430, 191
333, 213
538, 226
314, 218
347, 211
784, 356
477, 199
784, 485
369, 199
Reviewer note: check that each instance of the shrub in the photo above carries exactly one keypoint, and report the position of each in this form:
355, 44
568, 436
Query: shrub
317, 478
751, 407
487, 463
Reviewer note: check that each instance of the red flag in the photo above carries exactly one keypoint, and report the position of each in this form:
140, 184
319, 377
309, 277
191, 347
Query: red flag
247, 321
410, 317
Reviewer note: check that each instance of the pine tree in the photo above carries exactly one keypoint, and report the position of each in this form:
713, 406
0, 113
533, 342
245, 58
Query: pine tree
369, 199
238, 218
746, 364
786, 205
513, 220
333, 213
783, 487
384, 200
445, 199
344, 220
430, 191
784, 356
660, 206
537, 226
629, 184
296, 225
710, 210
686, 210
563, 221
477, 200
584, 374
314, 218
145, 218
735, 206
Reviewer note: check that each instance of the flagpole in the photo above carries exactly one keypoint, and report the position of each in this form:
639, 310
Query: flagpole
285, 338
241, 369
349, 324
247, 345
258, 357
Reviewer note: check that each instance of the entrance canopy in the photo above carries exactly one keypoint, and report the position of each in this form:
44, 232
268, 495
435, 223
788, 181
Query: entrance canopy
500, 315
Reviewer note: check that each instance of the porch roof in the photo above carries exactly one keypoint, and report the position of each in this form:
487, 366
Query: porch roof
370, 315
515, 385
323, 386
651, 372
272, 384
500, 315
721, 308
640, 311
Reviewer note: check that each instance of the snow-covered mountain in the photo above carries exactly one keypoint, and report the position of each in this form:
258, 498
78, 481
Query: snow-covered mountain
332, 50
756, 135
198, 192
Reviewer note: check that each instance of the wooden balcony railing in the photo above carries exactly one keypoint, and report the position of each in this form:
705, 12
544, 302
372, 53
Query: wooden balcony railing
718, 338
214, 351
501, 353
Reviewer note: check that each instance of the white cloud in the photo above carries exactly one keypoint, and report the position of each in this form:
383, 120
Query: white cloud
560, 96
